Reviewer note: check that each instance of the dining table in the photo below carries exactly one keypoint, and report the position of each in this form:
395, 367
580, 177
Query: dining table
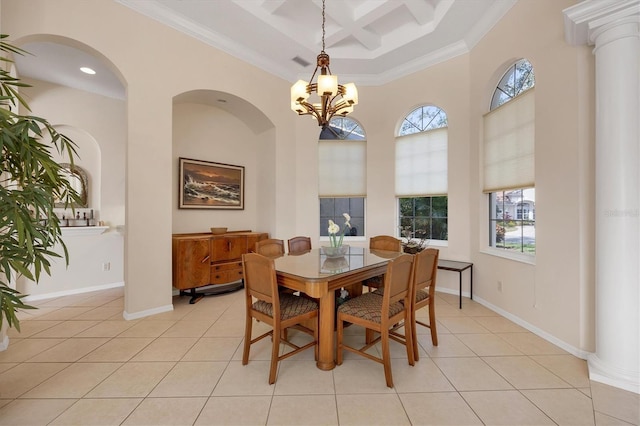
320, 276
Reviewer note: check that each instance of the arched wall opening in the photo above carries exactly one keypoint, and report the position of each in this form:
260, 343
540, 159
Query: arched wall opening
96, 122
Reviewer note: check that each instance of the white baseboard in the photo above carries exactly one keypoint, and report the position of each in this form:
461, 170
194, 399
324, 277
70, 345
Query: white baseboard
602, 372
532, 328
148, 312
73, 291
4, 344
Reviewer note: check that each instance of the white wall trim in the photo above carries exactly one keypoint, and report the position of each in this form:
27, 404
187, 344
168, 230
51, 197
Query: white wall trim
147, 313
600, 371
74, 291
535, 330
4, 344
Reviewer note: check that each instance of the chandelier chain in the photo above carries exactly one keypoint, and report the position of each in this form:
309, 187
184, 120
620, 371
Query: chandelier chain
323, 19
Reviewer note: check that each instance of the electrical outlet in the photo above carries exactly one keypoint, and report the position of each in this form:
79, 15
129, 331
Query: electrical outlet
500, 286
106, 266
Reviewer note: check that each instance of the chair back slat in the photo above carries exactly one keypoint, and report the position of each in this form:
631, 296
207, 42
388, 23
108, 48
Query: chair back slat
398, 279
385, 242
425, 270
269, 247
299, 245
260, 277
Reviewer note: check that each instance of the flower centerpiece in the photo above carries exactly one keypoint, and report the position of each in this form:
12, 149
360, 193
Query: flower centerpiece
336, 248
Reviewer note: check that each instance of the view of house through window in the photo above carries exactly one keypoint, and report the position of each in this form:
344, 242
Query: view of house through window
509, 161
512, 219
421, 174
342, 175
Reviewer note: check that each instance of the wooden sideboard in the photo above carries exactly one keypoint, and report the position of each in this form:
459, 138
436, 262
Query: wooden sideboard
203, 259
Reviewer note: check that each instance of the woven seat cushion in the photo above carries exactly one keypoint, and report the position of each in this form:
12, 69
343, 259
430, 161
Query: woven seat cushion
374, 282
421, 295
368, 307
290, 306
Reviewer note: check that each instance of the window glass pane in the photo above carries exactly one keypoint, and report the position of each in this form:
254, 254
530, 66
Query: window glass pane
334, 208
423, 217
512, 220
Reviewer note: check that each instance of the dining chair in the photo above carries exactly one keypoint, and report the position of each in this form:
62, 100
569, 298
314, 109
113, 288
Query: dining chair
385, 243
279, 310
425, 269
299, 245
380, 314
269, 247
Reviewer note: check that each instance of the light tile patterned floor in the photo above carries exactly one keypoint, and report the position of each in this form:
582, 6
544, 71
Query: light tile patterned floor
77, 362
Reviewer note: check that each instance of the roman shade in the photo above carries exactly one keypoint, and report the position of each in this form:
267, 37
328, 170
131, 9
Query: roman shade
342, 168
421, 164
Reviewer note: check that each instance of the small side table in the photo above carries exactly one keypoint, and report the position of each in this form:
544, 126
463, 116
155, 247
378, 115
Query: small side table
459, 267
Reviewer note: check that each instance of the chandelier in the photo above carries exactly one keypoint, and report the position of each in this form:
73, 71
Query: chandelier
333, 98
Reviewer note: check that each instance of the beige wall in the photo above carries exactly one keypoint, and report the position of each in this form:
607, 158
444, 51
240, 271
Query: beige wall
554, 296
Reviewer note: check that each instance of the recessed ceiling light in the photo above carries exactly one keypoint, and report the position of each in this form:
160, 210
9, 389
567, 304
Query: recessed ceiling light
87, 70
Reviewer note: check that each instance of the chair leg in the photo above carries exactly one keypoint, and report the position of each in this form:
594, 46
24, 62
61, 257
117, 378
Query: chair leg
339, 336
414, 334
247, 339
386, 356
432, 324
409, 339
275, 352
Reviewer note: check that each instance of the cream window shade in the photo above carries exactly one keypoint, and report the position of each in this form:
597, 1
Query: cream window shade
509, 142
342, 168
421, 164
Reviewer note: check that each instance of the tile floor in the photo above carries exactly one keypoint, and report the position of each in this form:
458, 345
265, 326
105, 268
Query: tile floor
77, 362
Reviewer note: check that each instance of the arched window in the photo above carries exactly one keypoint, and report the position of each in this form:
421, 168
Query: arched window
509, 154
421, 174
342, 174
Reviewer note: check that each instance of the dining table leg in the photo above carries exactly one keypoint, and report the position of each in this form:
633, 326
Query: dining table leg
326, 353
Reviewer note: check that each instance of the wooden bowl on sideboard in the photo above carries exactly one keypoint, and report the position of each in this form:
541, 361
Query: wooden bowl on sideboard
217, 231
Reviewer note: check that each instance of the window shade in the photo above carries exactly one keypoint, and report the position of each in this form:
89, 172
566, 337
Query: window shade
421, 164
342, 168
509, 141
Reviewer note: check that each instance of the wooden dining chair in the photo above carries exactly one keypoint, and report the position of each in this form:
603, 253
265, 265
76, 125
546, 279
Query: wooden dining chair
379, 313
425, 270
269, 247
279, 310
385, 243
299, 245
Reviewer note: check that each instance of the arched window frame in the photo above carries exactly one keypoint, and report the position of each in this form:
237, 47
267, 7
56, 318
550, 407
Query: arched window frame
512, 119
421, 176
342, 175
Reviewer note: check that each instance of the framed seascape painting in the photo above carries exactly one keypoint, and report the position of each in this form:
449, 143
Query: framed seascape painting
208, 185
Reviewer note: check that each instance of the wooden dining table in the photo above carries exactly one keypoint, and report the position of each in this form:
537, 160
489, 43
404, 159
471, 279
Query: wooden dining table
320, 277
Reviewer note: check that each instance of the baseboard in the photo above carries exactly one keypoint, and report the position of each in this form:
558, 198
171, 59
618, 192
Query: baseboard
147, 313
602, 372
73, 291
532, 328
4, 344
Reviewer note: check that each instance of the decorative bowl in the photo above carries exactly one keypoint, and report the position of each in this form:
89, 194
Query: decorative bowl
218, 230
333, 252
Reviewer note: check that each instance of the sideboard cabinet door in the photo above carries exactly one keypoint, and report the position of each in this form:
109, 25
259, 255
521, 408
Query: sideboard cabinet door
191, 262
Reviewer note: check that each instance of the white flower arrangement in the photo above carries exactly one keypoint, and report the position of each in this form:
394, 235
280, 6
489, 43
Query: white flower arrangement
334, 229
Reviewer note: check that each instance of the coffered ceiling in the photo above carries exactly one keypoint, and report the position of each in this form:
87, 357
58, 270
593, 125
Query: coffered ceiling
370, 42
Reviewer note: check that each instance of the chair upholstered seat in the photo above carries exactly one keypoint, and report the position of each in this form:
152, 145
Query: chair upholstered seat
290, 306
369, 307
422, 295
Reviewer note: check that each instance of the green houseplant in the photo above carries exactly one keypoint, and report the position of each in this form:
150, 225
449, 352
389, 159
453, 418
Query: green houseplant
30, 183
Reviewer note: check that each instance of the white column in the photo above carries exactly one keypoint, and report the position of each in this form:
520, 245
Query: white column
614, 28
